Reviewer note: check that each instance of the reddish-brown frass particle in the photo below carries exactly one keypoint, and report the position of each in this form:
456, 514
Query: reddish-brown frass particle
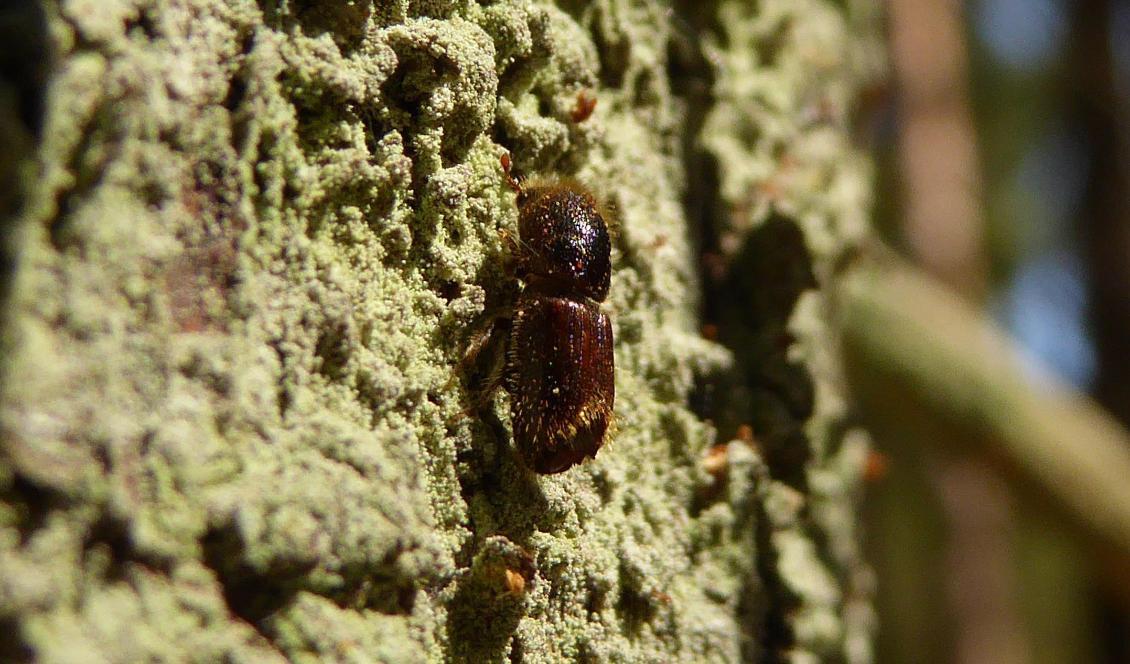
876, 466
745, 434
559, 367
716, 461
513, 582
586, 104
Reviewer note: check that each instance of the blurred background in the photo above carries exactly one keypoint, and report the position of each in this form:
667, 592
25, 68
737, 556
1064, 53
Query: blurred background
1005, 172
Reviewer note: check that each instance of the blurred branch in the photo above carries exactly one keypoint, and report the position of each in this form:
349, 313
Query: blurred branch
926, 366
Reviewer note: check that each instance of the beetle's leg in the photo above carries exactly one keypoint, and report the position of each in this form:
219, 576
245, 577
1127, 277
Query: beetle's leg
497, 371
488, 345
483, 334
510, 245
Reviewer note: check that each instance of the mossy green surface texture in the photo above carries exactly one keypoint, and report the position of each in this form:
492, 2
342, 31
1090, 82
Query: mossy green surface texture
253, 243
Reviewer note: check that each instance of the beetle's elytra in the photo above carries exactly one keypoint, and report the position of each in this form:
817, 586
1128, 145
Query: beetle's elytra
559, 367
560, 380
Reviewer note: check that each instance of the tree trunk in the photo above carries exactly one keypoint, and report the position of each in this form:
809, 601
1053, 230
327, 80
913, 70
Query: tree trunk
252, 242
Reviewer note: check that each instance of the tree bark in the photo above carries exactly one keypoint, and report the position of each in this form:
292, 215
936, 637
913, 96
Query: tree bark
251, 245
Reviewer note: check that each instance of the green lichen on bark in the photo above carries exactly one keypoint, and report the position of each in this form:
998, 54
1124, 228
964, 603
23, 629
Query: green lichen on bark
251, 252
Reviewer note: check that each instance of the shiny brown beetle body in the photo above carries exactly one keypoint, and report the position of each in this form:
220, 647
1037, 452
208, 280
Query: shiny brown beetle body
559, 365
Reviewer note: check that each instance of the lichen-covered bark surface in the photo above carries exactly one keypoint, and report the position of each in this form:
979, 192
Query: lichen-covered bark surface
253, 242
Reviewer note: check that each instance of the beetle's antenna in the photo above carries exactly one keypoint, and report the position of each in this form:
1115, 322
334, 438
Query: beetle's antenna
514, 182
